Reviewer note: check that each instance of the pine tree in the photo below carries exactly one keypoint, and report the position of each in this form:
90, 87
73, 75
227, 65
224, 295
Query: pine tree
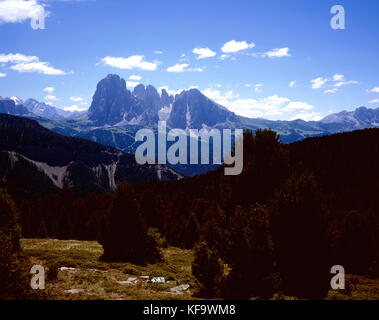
208, 270
356, 243
126, 236
14, 280
249, 254
151, 209
300, 239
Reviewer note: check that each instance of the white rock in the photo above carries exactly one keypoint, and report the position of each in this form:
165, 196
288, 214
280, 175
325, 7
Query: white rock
158, 280
73, 291
68, 269
180, 289
129, 281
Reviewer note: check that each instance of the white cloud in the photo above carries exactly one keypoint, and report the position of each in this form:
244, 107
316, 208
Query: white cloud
198, 69
203, 53
318, 82
374, 101
219, 97
338, 77
131, 62
51, 97
343, 83
270, 106
183, 58
182, 67
132, 84
158, 52
334, 90
292, 84
135, 77
73, 108
277, 53
49, 89
17, 58
179, 67
76, 99
248, 85
38, 67
340, 81
224, 56
257, 87
235, 46
308, 116
2, 75
374, 89
25, 63
13, 11
297, 105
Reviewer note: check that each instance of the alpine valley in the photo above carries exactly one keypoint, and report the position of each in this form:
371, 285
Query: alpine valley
116, 114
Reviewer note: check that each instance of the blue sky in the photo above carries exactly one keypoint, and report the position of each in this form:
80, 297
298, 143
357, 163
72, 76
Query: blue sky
243, 54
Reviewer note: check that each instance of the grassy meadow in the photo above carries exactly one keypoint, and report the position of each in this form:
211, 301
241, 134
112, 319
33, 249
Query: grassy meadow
95, 279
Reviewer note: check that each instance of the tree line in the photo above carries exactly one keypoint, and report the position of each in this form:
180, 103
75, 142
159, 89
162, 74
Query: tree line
294, 212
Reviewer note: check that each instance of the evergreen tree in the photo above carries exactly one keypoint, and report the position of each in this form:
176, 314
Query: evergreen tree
249, 254
300, 239
14, 269
208, 270
357, 243
151, 209
126, 236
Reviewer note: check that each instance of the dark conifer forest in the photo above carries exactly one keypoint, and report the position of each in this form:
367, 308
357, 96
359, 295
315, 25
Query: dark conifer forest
296, 210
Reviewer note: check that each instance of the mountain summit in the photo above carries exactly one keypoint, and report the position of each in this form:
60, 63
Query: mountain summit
192, 109
113, 104
9, 106
360, 117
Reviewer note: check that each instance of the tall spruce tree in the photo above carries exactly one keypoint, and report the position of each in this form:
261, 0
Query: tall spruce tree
14, 280
126, 236
300, 239
208, 270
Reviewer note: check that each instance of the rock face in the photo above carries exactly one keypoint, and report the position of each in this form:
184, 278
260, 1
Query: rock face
148, 96
49, 161
32, 107
49, 112
360, 117
8, 106
192, 109
166, 99
113, 103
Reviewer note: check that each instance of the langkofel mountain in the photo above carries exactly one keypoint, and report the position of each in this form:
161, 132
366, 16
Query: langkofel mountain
116, 114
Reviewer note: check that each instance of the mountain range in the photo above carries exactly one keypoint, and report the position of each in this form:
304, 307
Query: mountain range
35, 159
32, 107
116, 114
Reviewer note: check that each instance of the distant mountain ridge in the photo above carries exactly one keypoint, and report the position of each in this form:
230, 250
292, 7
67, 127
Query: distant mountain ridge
360, 117
114, 105
8, 106
44, 110
116, 114
32, 107
31, 155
